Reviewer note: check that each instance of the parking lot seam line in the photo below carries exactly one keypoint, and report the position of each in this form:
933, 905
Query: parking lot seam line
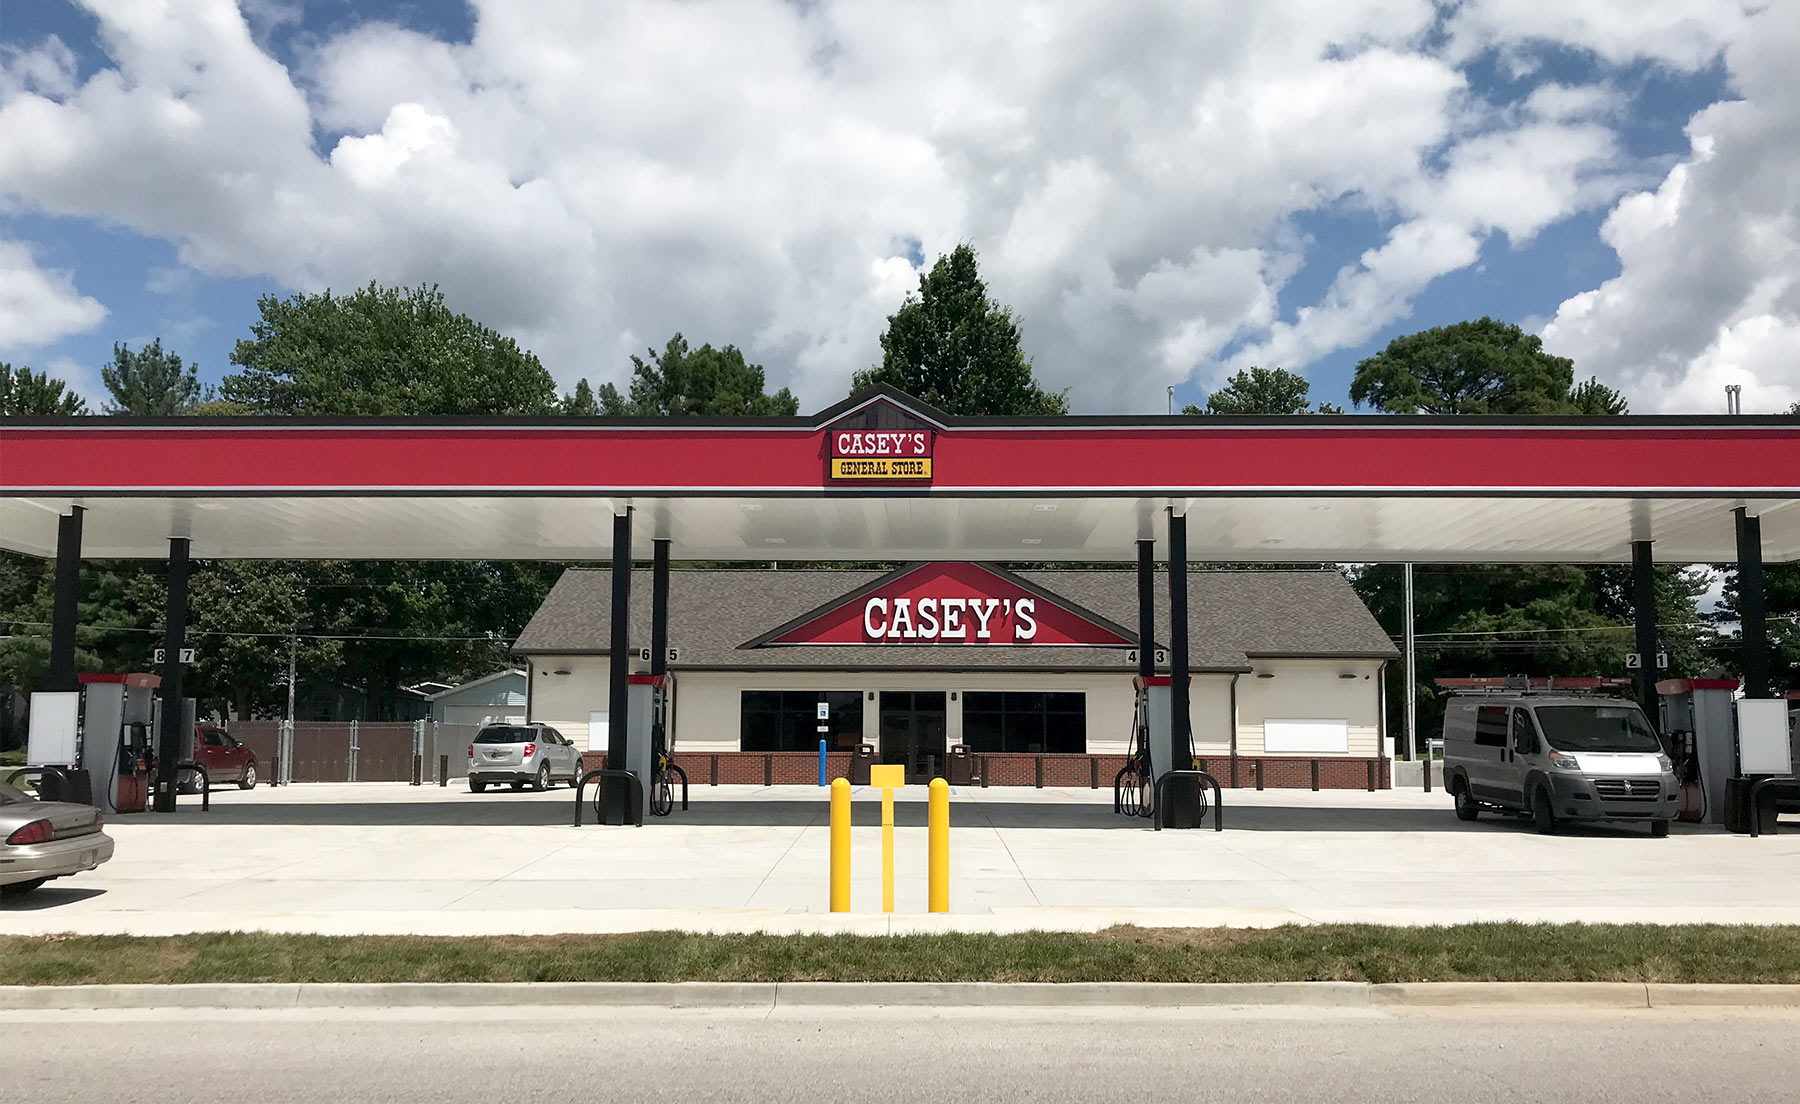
770, 997
1000, 838
793, 843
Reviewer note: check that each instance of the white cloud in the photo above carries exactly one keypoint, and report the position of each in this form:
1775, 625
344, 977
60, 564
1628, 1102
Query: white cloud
38, 306
1709, 288
593, 177
82, 379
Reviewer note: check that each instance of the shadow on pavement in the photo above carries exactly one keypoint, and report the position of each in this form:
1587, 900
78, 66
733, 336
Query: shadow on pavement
47, 897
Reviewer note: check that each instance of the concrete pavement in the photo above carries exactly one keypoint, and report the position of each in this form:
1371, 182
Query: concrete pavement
389, 858
452, 1056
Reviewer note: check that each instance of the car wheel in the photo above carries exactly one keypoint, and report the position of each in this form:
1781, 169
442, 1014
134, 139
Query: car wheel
20, 889
1543, 812
543, 779
1659, 829
248, 782
1466, 806
476, 785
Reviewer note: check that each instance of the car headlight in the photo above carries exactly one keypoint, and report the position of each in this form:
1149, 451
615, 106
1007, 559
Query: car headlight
1566, 762
1667, 764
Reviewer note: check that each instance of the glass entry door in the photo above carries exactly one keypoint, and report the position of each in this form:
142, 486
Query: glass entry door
915, 729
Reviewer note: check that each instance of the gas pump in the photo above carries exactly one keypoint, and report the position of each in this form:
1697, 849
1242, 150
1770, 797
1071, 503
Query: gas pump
117, 733
1716, 748
1152, 741
644, 696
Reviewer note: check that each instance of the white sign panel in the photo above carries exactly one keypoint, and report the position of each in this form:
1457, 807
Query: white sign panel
1308, 737
50, 741
597, 731
1762, 737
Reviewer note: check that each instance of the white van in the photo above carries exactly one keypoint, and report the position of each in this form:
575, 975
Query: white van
1557, 756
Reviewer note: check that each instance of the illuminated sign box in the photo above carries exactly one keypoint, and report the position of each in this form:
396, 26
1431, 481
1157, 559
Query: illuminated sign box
891, 455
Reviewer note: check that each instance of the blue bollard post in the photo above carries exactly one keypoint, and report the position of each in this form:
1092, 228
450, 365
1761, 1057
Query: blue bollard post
822, 779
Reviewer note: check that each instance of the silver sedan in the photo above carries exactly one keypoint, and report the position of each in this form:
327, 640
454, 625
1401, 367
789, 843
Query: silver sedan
41, 840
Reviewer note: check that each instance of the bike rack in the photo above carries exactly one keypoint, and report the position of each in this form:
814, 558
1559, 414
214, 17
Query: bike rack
1162, 787
1779, 782
62, 775
684, 789
205, 782
637, 792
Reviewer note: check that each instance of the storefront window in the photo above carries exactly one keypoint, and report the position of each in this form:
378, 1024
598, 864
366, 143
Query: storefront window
1025, 723
788, 720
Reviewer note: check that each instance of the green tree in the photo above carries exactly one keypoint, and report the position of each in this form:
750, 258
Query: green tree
382, 351
24, 393
682, 381
1262, 391
151, 382
955, 348
1480, 367
581, 403
1596, 400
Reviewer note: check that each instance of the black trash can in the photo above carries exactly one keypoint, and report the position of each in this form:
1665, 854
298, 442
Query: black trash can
963, 769
1737, 806
860, 761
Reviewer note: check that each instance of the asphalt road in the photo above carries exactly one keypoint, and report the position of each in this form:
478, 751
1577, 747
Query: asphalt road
1092, 1056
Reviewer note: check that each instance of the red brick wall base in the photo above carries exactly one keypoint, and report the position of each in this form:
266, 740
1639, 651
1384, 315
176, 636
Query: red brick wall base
800, 768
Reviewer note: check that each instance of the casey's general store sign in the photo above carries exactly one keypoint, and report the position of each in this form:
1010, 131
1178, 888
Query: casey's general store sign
953, 604
898, 455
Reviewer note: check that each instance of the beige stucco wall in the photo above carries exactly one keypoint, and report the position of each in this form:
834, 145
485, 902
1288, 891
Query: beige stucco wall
707, 702
1311, 689
564, 701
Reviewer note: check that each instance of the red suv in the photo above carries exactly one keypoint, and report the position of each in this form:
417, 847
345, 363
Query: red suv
224, 758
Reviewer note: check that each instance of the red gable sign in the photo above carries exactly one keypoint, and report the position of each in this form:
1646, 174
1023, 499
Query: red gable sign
951, 603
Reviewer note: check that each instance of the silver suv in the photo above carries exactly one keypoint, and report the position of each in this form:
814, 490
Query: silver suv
530, 753
1557, 757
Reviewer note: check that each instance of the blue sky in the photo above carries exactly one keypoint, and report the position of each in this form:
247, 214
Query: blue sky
589, 187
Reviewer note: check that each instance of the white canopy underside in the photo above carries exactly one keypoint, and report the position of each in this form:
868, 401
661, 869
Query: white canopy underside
1350, 528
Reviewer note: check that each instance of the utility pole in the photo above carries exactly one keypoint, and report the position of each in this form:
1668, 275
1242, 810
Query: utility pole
293, 657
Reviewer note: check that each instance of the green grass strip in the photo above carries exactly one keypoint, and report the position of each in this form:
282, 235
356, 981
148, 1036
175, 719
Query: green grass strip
1336, 952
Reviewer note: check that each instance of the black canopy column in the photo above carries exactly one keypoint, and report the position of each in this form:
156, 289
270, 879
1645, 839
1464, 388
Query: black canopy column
1753, 605
1146, 579
659, 607
168, 747
65, 604
1181, 810
1643, 605
615, 793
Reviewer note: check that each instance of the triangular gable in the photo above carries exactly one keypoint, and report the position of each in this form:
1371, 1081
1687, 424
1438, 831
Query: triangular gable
877, 405
949, 604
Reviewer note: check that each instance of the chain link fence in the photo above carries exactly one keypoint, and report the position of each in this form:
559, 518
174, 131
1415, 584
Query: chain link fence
357, 751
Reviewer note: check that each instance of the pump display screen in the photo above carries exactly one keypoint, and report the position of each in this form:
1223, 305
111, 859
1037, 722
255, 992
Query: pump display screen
1596, 728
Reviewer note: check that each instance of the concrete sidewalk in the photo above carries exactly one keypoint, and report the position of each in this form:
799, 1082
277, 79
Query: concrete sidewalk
388, 858
936, 995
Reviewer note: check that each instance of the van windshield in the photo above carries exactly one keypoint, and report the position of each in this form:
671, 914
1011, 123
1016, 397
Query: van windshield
505, 734
1596, 728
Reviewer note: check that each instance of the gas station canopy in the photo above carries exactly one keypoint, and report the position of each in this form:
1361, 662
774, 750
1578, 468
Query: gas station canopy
882, 476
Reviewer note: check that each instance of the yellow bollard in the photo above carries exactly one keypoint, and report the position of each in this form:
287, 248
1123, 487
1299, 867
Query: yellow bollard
887, 850
887, 777
840, 845
937, 832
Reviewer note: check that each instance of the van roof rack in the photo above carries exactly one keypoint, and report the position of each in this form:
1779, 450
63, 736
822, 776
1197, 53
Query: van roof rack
1525, 684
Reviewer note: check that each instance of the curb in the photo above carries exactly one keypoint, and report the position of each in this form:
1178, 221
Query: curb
829, 994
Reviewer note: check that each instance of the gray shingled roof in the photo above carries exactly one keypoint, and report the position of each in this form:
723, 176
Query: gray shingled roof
1233, 617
